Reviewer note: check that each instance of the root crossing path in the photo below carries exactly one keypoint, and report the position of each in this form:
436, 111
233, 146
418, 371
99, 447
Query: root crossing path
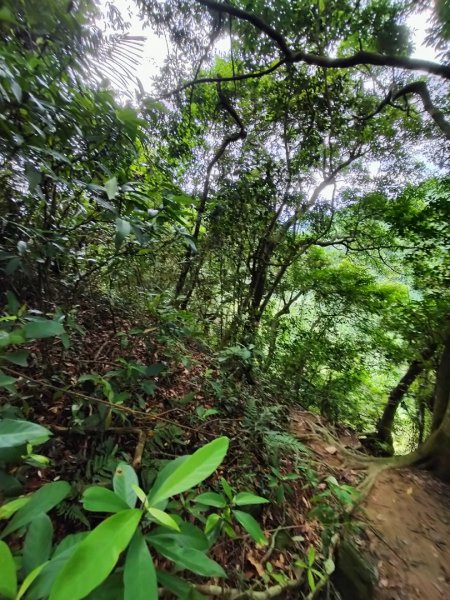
406, 513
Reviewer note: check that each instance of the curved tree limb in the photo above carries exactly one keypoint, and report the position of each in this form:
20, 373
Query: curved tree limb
253, 19
360, 58
420, 88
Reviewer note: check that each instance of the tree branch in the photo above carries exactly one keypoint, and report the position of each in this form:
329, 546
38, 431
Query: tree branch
250, 18
420, 88
360, 58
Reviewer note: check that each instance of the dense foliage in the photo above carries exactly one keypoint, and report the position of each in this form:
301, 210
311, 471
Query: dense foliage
281, 207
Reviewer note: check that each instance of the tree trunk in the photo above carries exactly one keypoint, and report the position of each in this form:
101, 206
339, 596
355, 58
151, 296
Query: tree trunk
385, 424
442, 389
434, 454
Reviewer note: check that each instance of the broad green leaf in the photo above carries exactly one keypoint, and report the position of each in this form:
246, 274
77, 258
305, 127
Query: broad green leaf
123, 229
251, 526
100, 499
38, 543
189, 536
7, 510
111, 589
44, 582
175, 585
124, 479
139, 573
46, 498
6, 15
38, 329
111, 188
211, 499
13, 303
96, 556
192, 471
16, 433
244, 498
29, 579
17, 358
154, 370
191, 559
6, 380
162, 518
8, 576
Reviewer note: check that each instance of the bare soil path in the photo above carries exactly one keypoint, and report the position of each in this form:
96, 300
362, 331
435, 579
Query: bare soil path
406, 515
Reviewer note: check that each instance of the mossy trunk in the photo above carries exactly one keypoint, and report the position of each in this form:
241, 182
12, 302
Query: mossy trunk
442, 389
386, 423
434, 454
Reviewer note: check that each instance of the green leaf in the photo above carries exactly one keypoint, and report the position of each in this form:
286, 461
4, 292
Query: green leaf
123, 229
6, 15
177, 586
8, 578
96, 556
193, 560
17, 358
38, 329
6, 380
244, 498
311, 582
7, 510
111, 188
46, 498
329, 566
154, 370
192, 471
162, 518
212, 521
62, 553
251, 526
139, 573
188, 536
29, 579
226, 488
38, 543
98, 499
123, 481
17, 433
211, 499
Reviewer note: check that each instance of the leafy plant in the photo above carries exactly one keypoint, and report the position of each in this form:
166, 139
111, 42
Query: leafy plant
81, 563
228, 502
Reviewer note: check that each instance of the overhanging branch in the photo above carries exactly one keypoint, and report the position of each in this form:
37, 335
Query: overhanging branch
299, 56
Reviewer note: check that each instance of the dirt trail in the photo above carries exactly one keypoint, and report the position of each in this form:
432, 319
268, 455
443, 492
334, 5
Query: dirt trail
406, 516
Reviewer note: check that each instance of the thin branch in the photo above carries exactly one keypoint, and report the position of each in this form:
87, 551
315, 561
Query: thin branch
218, 78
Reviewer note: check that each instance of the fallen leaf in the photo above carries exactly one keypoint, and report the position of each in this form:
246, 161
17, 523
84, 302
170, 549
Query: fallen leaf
253, 561
331, 449
409, 491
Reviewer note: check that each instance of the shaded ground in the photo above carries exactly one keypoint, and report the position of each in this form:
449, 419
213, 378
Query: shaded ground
408, 518
406, 515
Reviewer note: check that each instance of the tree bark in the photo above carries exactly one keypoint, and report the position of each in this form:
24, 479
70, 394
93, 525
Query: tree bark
385, 424
434, 454
442, 389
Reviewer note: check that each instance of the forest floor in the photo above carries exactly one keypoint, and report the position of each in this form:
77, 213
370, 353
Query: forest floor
406, 518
